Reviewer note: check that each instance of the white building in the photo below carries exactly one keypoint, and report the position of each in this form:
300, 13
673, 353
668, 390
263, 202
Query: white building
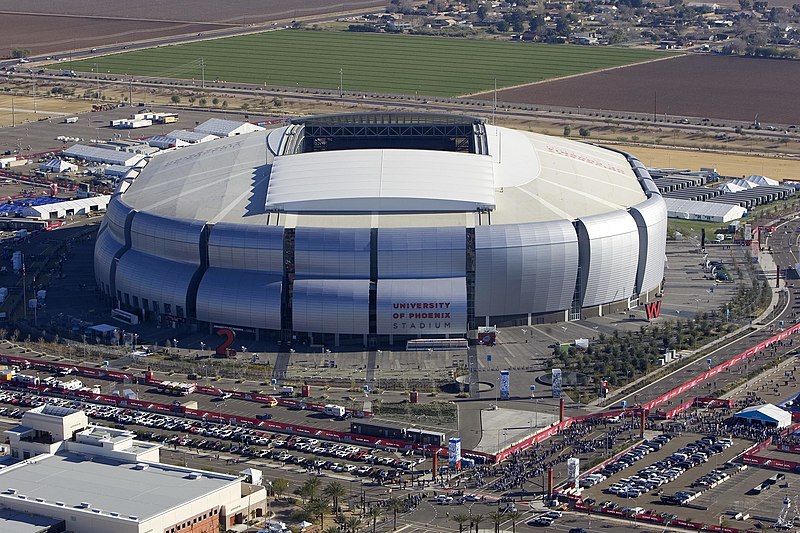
226, 128
94, 154
703, 211
57, 165
100, 480
68, 208
191, 137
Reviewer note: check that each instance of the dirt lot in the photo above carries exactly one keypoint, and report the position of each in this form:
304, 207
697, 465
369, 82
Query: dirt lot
726, 164
693, 85
43, 26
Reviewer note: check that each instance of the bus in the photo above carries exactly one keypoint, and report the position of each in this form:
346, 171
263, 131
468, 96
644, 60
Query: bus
176, 388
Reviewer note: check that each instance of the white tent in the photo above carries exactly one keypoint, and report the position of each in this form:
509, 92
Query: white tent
767, 414
762, 180
731, 187
744, 184
58, 165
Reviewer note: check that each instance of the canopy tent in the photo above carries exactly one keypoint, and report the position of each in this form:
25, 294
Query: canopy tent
766, 414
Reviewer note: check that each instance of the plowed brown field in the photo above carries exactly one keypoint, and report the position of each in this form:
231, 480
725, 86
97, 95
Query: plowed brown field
45, 26
694, 85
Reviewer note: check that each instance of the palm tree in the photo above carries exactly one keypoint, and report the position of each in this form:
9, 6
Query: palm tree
460, 519
373, 514
353, 523
317, 509
514, 516
395, 506
279, 487
309, 489
334, 490
476, 521
497, 518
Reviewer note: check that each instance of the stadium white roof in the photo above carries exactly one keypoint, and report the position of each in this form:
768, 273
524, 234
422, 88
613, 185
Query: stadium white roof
380, 181
102, 155
226, 128
110, 486
703, 211
526, 177
767, 413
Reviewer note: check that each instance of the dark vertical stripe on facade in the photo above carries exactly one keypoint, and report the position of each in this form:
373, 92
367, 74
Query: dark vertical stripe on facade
197, 277
288, 282
584, 253
373, 281
470, 269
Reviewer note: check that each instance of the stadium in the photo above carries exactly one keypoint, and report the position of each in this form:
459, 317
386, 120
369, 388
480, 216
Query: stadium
378, 228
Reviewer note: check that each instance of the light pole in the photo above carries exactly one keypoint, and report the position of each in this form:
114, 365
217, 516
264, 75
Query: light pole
341, 83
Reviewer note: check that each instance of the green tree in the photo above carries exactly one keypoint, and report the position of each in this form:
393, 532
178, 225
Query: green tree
279, 487
318, 508
584, 132
395, 506
515, 516
477, 519
16, 53
352, 523
175, 99
215, 101
334, 490
373, 514
460, 519
497, 518
310, 488
202, 102
567, 131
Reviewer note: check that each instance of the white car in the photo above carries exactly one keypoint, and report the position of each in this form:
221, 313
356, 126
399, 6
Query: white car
444, 500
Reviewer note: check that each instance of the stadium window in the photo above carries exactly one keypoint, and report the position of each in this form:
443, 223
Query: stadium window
145, 304
127, 299
179, 311
167, 309
136, 301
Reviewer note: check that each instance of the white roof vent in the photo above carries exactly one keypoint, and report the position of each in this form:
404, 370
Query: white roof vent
97, 511
12, 491
85, 505
195, 475
141, 466
60, 504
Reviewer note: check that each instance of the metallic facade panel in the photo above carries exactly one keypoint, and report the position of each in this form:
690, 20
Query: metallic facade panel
420, 307
651, 219
332, 252
114, 219
154, 278
331, 306
240, 298
104, 250
422, 252
246, 247
526, 268
171, 239
613, 249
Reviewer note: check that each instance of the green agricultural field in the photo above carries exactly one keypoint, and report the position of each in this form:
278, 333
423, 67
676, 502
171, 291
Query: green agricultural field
404, 64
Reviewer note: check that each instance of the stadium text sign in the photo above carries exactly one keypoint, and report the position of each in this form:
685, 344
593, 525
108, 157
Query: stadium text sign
408, 316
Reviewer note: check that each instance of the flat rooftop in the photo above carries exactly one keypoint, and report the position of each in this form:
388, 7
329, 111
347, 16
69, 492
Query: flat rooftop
110, 486
18, 522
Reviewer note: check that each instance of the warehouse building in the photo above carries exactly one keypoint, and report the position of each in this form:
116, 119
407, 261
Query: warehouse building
373, 228
703, 211
59, 208
94, 154
226, 128
96, 479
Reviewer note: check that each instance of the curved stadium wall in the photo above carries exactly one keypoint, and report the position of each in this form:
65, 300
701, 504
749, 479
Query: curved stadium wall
343, 276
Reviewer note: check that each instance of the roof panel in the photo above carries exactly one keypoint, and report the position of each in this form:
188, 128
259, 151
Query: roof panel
381, 180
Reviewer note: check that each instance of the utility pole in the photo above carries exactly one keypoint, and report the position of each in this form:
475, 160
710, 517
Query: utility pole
494, 101
13, 114
130, 91
202, 73
341, 82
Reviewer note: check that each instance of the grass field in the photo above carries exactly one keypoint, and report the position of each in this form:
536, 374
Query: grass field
369, 62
